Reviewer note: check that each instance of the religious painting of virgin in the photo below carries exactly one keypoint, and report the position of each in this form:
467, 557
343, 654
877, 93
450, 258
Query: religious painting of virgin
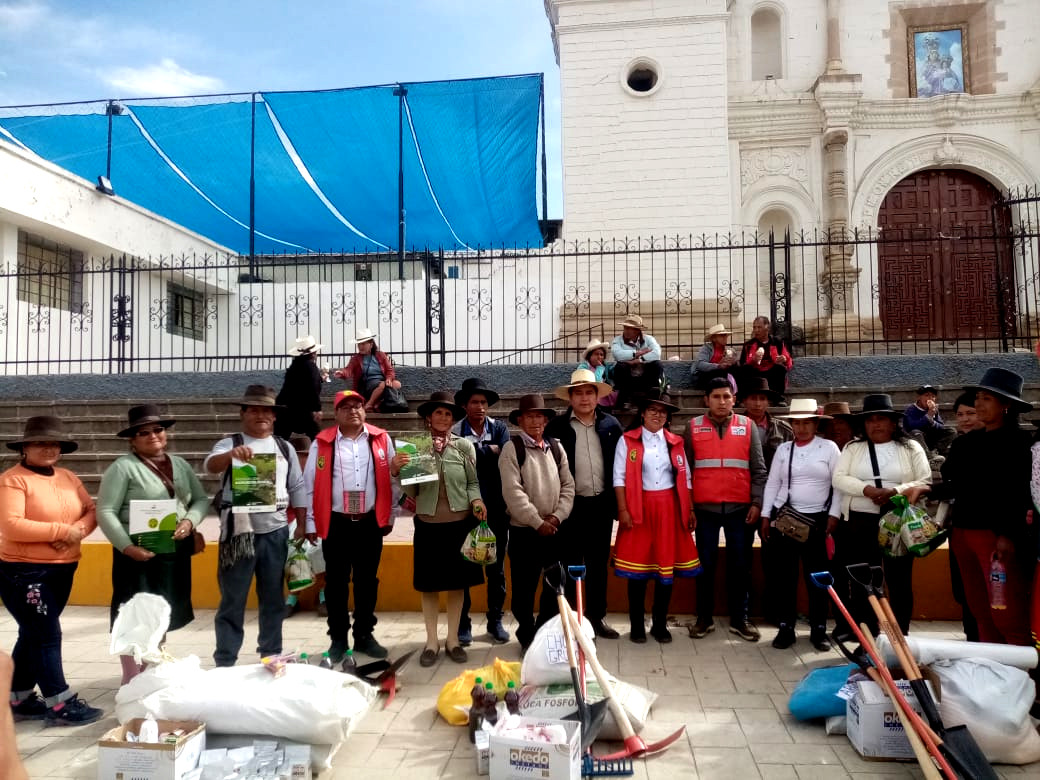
938, 60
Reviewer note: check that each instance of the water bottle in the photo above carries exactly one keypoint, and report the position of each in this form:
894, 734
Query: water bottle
349, 664
476, 707
490, 704
997, 585
512, 699
326, 662
149, 731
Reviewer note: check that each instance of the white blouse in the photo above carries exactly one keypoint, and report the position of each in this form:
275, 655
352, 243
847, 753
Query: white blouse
811, 475
657, 466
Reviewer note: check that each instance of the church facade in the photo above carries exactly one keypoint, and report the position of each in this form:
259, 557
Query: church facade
903, 122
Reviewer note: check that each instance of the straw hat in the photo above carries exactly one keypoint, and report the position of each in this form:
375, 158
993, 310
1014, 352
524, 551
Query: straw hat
633, 321
441, 399
146, 414
718, 330
804, 409
532, 402
579, 377
306, 346
365, 334
593, 346
44, 428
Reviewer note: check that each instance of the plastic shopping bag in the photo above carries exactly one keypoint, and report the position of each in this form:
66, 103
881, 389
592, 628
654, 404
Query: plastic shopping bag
908, 530
139, 628
454, 700
298, 573
480, 545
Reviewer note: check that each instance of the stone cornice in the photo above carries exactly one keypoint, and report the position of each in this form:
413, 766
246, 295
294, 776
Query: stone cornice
627, 24
947, 111
796, 117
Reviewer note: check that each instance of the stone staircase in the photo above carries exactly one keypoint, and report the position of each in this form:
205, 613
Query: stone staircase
200, 422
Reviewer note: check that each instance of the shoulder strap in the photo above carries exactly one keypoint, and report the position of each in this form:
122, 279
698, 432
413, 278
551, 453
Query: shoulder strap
218, 500
287, 453
556, 449
521, 453
874, 463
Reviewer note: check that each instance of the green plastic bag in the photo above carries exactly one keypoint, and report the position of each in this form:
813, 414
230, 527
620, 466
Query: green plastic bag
908, 530
480, 545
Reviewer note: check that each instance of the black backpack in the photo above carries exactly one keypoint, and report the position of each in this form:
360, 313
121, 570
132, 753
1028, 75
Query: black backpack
521, 452
237, 440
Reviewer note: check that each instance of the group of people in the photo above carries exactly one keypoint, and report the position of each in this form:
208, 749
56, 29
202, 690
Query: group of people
550, 493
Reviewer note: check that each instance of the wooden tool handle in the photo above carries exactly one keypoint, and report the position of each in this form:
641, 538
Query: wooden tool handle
565, 625
910, 663
920, 751
616, 710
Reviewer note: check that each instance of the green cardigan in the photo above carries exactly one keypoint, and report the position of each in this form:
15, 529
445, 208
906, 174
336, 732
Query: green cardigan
458, 465
127, 479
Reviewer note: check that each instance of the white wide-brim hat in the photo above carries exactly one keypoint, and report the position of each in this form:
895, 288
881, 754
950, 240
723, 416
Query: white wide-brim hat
306, 345
364, 335
804, 409
579, 377
593, 346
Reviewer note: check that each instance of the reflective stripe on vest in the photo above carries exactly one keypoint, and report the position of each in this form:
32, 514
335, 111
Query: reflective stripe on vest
724, 463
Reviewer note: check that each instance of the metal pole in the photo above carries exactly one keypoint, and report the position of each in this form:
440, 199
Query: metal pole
400, 92
108, 165
252, 189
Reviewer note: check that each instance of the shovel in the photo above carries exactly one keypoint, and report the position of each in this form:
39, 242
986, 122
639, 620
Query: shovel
635, 746
825, 580
590, 717
956, 742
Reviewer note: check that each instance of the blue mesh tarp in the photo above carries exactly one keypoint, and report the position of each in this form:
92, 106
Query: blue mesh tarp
326, 164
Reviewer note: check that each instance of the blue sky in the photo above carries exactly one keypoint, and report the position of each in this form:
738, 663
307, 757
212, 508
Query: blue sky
66, 51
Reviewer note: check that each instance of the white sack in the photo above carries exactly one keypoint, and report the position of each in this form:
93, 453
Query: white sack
557, 702
139, 628
545, 662
307, 704
993, 701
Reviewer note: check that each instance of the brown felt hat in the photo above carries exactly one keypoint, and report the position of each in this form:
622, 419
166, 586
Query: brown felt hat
260, 395
532, 402
44, 428
146, 414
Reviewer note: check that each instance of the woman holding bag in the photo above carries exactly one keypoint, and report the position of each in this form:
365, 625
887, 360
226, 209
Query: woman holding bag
444, 512
872, 469
800, 478
148, 473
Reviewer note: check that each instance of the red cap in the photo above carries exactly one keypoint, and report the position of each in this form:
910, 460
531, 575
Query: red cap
343, 395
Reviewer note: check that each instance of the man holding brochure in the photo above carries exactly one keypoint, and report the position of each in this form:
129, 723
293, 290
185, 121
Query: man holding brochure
262, 479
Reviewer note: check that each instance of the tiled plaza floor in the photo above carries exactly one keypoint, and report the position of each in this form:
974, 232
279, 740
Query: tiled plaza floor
731, 695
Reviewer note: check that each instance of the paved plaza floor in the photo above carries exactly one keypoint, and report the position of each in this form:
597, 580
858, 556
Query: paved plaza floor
731, 695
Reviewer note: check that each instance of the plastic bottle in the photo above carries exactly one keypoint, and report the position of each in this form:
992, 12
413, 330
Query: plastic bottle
997, 585
149, 731
512, 699
490, 704
349, 664
304, 659
326, 662
476, 707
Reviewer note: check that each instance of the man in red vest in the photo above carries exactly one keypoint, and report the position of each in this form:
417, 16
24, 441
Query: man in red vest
729, 477
348, 479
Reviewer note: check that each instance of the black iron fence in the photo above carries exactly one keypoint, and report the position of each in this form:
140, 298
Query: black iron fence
910, 290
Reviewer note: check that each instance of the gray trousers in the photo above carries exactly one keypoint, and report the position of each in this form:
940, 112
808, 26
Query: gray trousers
268, 566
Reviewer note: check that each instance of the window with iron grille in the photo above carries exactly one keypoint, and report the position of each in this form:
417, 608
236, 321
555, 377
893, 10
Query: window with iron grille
49, 274
186, 313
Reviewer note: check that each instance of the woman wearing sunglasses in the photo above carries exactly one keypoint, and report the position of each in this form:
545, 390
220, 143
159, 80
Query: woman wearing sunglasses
148, 474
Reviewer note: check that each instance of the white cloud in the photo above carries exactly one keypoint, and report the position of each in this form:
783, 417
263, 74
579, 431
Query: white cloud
165, 78
20, 18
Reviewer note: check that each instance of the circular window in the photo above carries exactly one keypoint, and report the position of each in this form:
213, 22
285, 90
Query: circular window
641, 77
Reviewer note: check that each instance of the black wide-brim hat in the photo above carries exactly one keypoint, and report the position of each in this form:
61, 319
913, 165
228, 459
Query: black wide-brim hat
878, 403
44, 428
146, 414
441, 399
475, 386
757, 385
656, 396
532, 402
1004, 384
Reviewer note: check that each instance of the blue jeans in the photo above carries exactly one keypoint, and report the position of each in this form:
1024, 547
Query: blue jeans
268, 566
738, 561
35, 594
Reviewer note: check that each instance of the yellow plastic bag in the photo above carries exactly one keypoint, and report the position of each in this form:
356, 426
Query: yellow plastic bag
454, 699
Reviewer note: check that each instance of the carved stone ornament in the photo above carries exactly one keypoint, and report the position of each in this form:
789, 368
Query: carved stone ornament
789, 161
947, 153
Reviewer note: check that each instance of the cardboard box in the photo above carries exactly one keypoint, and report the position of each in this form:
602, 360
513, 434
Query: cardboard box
516, 759
122, 760
873, 725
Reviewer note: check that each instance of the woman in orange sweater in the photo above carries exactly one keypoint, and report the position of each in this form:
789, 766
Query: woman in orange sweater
45, 512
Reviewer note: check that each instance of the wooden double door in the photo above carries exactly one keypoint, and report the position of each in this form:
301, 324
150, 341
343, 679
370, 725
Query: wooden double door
943, 273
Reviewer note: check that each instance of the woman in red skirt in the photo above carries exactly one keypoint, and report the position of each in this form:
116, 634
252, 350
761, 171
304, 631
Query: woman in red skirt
654, 540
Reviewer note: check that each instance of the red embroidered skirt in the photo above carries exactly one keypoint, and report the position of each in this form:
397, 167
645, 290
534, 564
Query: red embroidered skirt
660, 547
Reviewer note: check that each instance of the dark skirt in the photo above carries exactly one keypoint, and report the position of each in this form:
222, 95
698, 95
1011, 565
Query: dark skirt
437, 558
167, 575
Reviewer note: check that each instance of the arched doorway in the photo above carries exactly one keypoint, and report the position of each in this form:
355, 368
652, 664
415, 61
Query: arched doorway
941, 270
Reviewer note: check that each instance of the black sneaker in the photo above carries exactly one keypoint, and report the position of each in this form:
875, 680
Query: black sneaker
638, 634
661, 634
496, 631
30, 708
76, 712
337, 650
745, 631
784, 637
701, 630
368, 645
818, 638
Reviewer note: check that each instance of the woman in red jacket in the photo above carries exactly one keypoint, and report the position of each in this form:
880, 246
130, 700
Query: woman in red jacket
45, 512
370, 370
654, 539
